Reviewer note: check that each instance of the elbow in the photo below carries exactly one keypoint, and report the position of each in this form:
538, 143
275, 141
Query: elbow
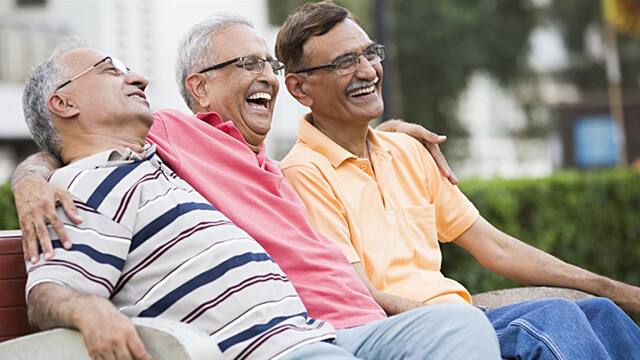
497, 258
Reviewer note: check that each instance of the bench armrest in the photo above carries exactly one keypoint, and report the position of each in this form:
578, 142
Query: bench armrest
497, 298
163, 339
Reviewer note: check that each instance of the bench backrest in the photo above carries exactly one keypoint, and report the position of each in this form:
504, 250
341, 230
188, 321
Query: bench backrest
13, 310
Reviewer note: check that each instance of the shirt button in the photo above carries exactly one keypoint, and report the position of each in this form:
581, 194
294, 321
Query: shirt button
363, 167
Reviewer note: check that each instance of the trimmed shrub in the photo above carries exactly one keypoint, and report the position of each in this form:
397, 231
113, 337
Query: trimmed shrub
589, 219
8, 215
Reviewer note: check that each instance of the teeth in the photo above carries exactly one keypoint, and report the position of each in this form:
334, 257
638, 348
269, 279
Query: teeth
260, 95
366, 90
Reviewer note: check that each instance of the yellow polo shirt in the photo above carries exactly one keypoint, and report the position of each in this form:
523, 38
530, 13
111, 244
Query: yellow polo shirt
390, 220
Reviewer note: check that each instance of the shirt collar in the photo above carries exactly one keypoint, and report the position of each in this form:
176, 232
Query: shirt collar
335, 153
113, 157
215, 120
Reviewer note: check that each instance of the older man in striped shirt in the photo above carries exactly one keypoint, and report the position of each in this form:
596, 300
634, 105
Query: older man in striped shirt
149, 242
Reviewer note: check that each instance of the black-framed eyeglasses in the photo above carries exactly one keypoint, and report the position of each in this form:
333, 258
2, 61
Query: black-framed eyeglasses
118, 66
252, 64
347, 64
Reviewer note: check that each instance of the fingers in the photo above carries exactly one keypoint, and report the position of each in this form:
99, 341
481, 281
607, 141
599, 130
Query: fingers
390, 125
58, 226
440, 160
36, 203
69, 207
114, 348
43, 239
137, 349
29, 243
121, 352
426, 136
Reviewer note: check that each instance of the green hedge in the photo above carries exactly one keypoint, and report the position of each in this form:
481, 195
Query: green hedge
588, 219
8, 215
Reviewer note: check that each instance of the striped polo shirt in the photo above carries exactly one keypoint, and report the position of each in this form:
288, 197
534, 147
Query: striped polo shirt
156, 248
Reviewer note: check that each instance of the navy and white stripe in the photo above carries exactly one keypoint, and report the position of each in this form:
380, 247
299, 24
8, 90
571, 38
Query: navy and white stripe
157, 248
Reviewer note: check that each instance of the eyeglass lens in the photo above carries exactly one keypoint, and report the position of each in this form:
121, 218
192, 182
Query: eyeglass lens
256, 65
348, 64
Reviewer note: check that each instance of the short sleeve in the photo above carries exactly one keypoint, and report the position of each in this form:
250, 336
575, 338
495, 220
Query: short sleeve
455, 213
94, 263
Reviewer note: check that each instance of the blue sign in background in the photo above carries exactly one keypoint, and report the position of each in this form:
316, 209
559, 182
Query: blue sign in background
596, 141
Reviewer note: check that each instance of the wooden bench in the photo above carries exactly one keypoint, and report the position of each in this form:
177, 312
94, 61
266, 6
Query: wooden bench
13, 310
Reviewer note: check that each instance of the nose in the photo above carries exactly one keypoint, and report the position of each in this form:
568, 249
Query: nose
136, 80
268, 76
365, 70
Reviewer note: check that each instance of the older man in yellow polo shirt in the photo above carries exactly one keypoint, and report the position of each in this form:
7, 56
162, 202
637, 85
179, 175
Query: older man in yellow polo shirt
381, 197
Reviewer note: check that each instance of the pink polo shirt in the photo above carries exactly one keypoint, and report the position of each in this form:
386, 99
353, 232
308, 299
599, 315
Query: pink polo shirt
214, 158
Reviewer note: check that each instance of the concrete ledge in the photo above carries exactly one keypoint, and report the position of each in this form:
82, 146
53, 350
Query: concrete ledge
164, 340
497, 298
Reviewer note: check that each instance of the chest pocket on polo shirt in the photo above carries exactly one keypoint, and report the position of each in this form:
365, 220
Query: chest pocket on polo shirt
422, 232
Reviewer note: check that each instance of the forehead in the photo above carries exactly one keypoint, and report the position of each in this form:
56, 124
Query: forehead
237, 40
345, 37
80, 59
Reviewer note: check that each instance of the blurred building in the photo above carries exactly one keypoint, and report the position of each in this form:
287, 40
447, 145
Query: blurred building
144, 34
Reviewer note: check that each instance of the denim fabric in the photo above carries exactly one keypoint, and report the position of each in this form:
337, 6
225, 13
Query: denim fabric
593, 328
447, 331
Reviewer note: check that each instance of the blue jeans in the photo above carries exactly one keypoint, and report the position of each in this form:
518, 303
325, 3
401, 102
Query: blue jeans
593, 328
448, 331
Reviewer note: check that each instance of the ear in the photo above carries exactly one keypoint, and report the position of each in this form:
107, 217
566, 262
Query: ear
197, 87
296, 86
62, 107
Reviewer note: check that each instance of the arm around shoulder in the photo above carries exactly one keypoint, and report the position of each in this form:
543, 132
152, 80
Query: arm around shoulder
36, 200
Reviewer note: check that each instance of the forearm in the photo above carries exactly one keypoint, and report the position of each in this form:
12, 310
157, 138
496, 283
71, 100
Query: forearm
106, 331
39, 164
51, 305
392, 304
525, 264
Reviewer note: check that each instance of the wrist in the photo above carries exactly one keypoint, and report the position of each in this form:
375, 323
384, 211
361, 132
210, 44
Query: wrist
82, 306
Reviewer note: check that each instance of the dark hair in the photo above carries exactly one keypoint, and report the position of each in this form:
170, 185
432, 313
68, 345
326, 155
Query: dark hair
311, 19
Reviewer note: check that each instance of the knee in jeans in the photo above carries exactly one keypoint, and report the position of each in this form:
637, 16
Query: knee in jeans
598, 302
562, 308
598, 305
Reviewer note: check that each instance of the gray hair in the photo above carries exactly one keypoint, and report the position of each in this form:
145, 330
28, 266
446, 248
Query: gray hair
196, 51
39, 86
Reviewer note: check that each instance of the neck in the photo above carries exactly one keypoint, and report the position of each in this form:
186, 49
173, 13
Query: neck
90, 144
254, 148
352, 137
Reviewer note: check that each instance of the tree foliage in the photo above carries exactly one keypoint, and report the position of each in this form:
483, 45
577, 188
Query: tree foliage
437, 45
574, 19
442, 43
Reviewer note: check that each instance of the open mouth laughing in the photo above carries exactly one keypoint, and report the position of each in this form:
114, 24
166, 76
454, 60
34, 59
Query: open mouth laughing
259, 100
362, 89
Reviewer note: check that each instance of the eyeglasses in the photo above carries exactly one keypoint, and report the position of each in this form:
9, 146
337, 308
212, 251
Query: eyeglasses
252, 64
347, 64
118, 66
